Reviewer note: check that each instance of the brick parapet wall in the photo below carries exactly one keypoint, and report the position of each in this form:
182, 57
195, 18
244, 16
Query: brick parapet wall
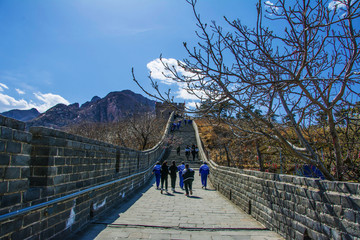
290, 205
15, 150
83, 177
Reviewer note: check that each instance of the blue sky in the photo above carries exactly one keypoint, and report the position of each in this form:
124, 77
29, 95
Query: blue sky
67, 51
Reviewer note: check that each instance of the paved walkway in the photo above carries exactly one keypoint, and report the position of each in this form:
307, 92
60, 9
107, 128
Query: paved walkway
151, 215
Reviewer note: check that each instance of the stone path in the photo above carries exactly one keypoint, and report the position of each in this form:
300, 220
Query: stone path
151, 215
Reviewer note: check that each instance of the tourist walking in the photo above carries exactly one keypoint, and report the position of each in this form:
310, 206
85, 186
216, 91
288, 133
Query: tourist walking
196, 152
188, 175
204, 171
187, 152
172, 171
178, 150
164, 176
181, 180
157, 172
193, 152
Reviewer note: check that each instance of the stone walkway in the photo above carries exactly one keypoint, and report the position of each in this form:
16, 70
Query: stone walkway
151, 215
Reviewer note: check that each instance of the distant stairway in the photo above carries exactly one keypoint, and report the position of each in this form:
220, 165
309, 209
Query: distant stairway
183, 136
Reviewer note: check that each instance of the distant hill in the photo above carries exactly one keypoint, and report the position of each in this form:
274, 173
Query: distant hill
115, 106
22, 115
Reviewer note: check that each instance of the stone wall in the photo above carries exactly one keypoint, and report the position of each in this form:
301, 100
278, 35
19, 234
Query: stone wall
295, 207
57, 182
15, 150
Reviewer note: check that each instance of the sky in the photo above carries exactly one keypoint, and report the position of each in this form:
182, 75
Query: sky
68, 51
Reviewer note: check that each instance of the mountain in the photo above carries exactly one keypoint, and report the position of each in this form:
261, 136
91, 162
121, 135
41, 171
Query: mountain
22, 115
113, 107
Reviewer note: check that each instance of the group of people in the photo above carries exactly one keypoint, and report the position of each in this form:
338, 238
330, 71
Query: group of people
177, 124
186, 176
193, 150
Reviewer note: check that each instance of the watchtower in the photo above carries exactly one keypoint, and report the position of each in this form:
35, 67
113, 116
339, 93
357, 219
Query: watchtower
164, 109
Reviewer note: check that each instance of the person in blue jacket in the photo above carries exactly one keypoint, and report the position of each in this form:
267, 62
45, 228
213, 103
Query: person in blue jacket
180, 170
204, 171
157, 172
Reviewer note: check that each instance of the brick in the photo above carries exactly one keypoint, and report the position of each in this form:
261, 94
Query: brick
31, 218
40, 171
20, 160
2, 145
11, 199
13, 123
26, 148
41, 151
21, 234
3, 187
6, 133
12, 173
18, 185
10, 226
39, 161
4, 159
25, 172
13, 147
22, 136
32, 194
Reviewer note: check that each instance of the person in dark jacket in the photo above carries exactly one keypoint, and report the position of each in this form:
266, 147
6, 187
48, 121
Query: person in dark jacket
188, 175
157, 172
173, 170
164, 176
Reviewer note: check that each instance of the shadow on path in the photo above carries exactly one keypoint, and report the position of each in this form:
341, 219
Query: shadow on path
99, 223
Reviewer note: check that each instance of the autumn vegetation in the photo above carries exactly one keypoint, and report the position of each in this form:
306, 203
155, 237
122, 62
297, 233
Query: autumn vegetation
138, 132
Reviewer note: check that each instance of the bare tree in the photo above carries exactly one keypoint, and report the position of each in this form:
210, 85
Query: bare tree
311, 65
140, 131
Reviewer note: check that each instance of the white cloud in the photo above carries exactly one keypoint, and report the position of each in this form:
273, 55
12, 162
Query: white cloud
336, 4
159, 72
12, 103
20, 91
192, 105
271, 6
184, 94
2, 86
48, 100
45, 101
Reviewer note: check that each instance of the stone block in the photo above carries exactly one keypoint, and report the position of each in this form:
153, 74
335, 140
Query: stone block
10, 226
6, 133
32, 194
10, 199
2, 145
26, 148
22, 136
21, 234
18, 186
12, 173
4, 159
3, 187
13, 147
31, 218
20, 160
41, 150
